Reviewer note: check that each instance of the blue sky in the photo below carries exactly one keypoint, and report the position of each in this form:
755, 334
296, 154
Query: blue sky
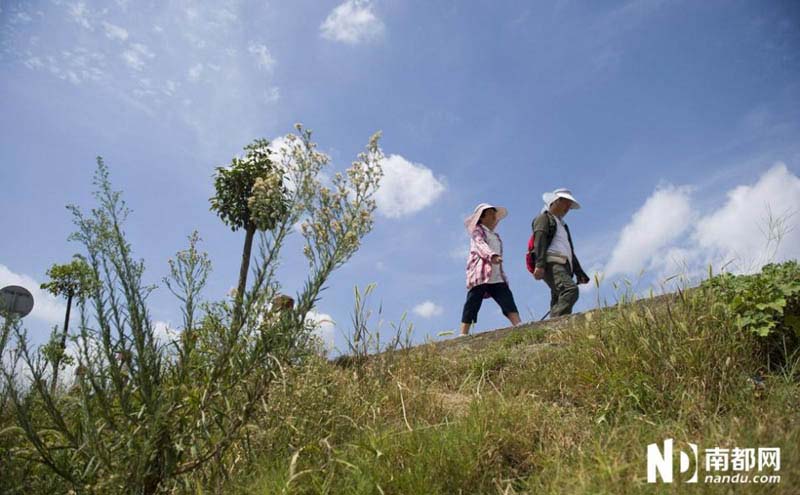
675, 123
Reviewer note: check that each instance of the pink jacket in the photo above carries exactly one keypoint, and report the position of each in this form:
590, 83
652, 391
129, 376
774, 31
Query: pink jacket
479, 262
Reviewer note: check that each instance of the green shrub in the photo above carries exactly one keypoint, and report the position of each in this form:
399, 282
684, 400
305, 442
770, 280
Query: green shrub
766, 304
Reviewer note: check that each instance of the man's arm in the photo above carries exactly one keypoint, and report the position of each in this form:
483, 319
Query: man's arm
576, 265
582, 277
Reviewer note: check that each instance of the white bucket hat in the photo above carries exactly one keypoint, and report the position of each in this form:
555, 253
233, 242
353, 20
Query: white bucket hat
472, 220
549, 197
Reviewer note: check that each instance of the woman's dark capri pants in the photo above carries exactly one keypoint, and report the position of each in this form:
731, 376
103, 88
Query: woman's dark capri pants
499, 292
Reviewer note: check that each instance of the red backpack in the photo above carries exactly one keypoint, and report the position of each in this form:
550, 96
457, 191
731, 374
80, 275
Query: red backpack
530, 255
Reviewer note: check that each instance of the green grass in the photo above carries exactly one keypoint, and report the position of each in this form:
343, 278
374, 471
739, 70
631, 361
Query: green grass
565, 407
517, 416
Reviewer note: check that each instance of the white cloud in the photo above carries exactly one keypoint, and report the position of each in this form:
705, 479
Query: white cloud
72, 77
115, 32
158, 50
324, 326
170, 87
21, 18
80, 14
282, 145
225, 16
677, 264
282, 148
136, 56
191, 13
46, 307
739, 230
133, 60
428, 309
666, 236
164, 333
34, 63
664, 216
195, 72
406, 187
352, 22
142, 49
264, 59
76, 66
272, 94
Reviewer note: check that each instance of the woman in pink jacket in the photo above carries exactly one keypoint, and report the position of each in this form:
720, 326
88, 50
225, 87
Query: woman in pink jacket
485, 275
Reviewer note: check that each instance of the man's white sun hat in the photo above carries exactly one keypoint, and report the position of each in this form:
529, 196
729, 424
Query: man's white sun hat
549, 197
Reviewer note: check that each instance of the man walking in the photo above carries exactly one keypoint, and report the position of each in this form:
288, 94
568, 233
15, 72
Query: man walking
556, 262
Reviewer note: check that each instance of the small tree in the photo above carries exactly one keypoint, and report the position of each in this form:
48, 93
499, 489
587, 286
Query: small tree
235, 185
71, 280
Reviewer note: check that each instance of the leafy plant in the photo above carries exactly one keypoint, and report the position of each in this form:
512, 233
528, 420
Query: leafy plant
765, 302
140, 417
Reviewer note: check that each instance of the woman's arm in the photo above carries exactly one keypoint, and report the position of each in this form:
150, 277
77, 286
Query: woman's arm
480, 246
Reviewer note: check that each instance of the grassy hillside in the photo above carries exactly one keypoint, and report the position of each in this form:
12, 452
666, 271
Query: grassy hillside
564, 406
567, 406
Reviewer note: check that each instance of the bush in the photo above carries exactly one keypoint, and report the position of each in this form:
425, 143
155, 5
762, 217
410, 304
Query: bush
766, 304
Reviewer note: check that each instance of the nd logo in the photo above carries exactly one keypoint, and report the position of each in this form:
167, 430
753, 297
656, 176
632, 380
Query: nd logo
659, 462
